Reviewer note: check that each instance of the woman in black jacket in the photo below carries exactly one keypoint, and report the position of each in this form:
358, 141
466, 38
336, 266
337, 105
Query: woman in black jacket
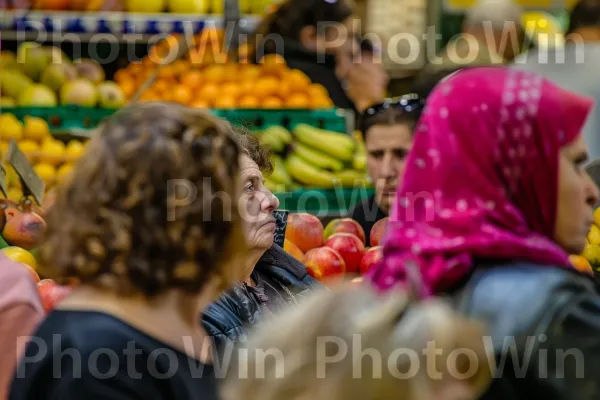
273, 277
495, 198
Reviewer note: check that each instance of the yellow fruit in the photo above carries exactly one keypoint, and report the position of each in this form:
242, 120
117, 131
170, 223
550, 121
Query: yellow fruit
3, 147
10, 127
46, 172
63, 172
52, 152
594, 235
20, 255
30, 149
597, 216
35, 128
15, 194
75, 149
12, 179
591, 252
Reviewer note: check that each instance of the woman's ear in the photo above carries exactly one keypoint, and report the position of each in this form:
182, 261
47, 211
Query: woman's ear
308, 38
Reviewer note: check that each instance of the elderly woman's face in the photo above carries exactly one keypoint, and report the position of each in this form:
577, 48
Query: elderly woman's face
577, 194
257, 204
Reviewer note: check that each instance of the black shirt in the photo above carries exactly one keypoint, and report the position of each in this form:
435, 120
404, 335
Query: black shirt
367, 213
87, 355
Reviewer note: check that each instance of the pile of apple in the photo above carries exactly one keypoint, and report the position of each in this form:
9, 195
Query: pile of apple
337, 252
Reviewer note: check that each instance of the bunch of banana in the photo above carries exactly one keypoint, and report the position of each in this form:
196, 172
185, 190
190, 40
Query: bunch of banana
276, 138
324, 159
280, 179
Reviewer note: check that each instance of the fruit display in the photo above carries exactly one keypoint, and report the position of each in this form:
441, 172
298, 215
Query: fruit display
333, 254
45, 77
51, 293
589, 259
310, 157
205, 77
52, 159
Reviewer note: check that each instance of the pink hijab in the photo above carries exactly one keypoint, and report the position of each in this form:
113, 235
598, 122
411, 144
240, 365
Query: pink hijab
481, 181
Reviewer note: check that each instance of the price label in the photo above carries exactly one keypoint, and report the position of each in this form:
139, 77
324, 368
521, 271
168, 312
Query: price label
461, 5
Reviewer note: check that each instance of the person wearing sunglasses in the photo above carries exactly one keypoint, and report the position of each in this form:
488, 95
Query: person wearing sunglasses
387, 130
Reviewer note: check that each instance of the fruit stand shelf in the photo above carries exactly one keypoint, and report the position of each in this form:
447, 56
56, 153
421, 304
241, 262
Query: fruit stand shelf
118, 23
323, 203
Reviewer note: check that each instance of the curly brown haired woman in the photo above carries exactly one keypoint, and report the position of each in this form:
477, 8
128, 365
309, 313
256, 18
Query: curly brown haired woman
147, 268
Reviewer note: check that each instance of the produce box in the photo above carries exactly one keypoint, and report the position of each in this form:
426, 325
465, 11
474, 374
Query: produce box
259, 119
323, 203
63, 118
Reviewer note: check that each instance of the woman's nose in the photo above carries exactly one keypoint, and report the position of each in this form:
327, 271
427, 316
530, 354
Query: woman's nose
270, 202
593, 193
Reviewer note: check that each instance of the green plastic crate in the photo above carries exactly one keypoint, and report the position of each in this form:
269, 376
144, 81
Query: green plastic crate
63, 118
332, 120
323, 203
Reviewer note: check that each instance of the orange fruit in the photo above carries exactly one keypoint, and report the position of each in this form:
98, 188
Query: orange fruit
128, 88
581, 264
122, 75
321, 102
191, 79
209, 92
180, 67
317, 90
273, 64
231, 73
181, 94
250, 72
272, 102
224, 101
161, 86
214, 73
284, 89
200, 104
231, 89
297, 80
298, 100
135, 68
148, 96
166, 72
247, 87
266, 86
249, 101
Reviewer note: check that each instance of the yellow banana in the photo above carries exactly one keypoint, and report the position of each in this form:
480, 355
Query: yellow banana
305, 173
338, 145
317, 158
350, 178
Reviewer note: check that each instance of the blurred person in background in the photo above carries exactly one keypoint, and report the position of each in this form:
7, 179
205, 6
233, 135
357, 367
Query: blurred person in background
147, 268
492, 34
21, 310
499, 156
272, 277
318, 37
575, 66
343, 344
387, 129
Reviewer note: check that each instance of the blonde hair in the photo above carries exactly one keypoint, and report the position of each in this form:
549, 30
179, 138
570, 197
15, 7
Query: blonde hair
284, 358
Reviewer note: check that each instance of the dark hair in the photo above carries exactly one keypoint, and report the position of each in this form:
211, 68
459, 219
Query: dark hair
250, 145
390, 117
114, 222
292, 16
586, 13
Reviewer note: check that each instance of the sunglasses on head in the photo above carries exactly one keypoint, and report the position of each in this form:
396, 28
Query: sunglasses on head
408, 103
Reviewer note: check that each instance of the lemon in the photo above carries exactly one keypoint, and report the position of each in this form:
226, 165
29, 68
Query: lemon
15, 194
594, 235
52, 152
75, 149
597, 216
63, 172
35, 129
29, 148
10, 127
591, 252
20, 255
46, 172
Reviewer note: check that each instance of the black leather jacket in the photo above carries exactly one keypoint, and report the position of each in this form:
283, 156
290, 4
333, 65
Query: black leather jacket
229, 318
549, 317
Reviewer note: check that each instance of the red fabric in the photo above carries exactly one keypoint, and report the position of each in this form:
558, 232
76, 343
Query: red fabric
482, 178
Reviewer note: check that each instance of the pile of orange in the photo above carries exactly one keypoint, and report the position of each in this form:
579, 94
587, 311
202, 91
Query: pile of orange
205, 78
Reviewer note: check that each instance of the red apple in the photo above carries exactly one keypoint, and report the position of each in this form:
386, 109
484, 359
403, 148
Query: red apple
344, 225
371, 257
325, 264
52, 293
350, 248
305, 231
377, 231
293, 250
32, 272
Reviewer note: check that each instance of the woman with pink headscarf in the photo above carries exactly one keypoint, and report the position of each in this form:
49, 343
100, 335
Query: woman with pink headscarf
494, 198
